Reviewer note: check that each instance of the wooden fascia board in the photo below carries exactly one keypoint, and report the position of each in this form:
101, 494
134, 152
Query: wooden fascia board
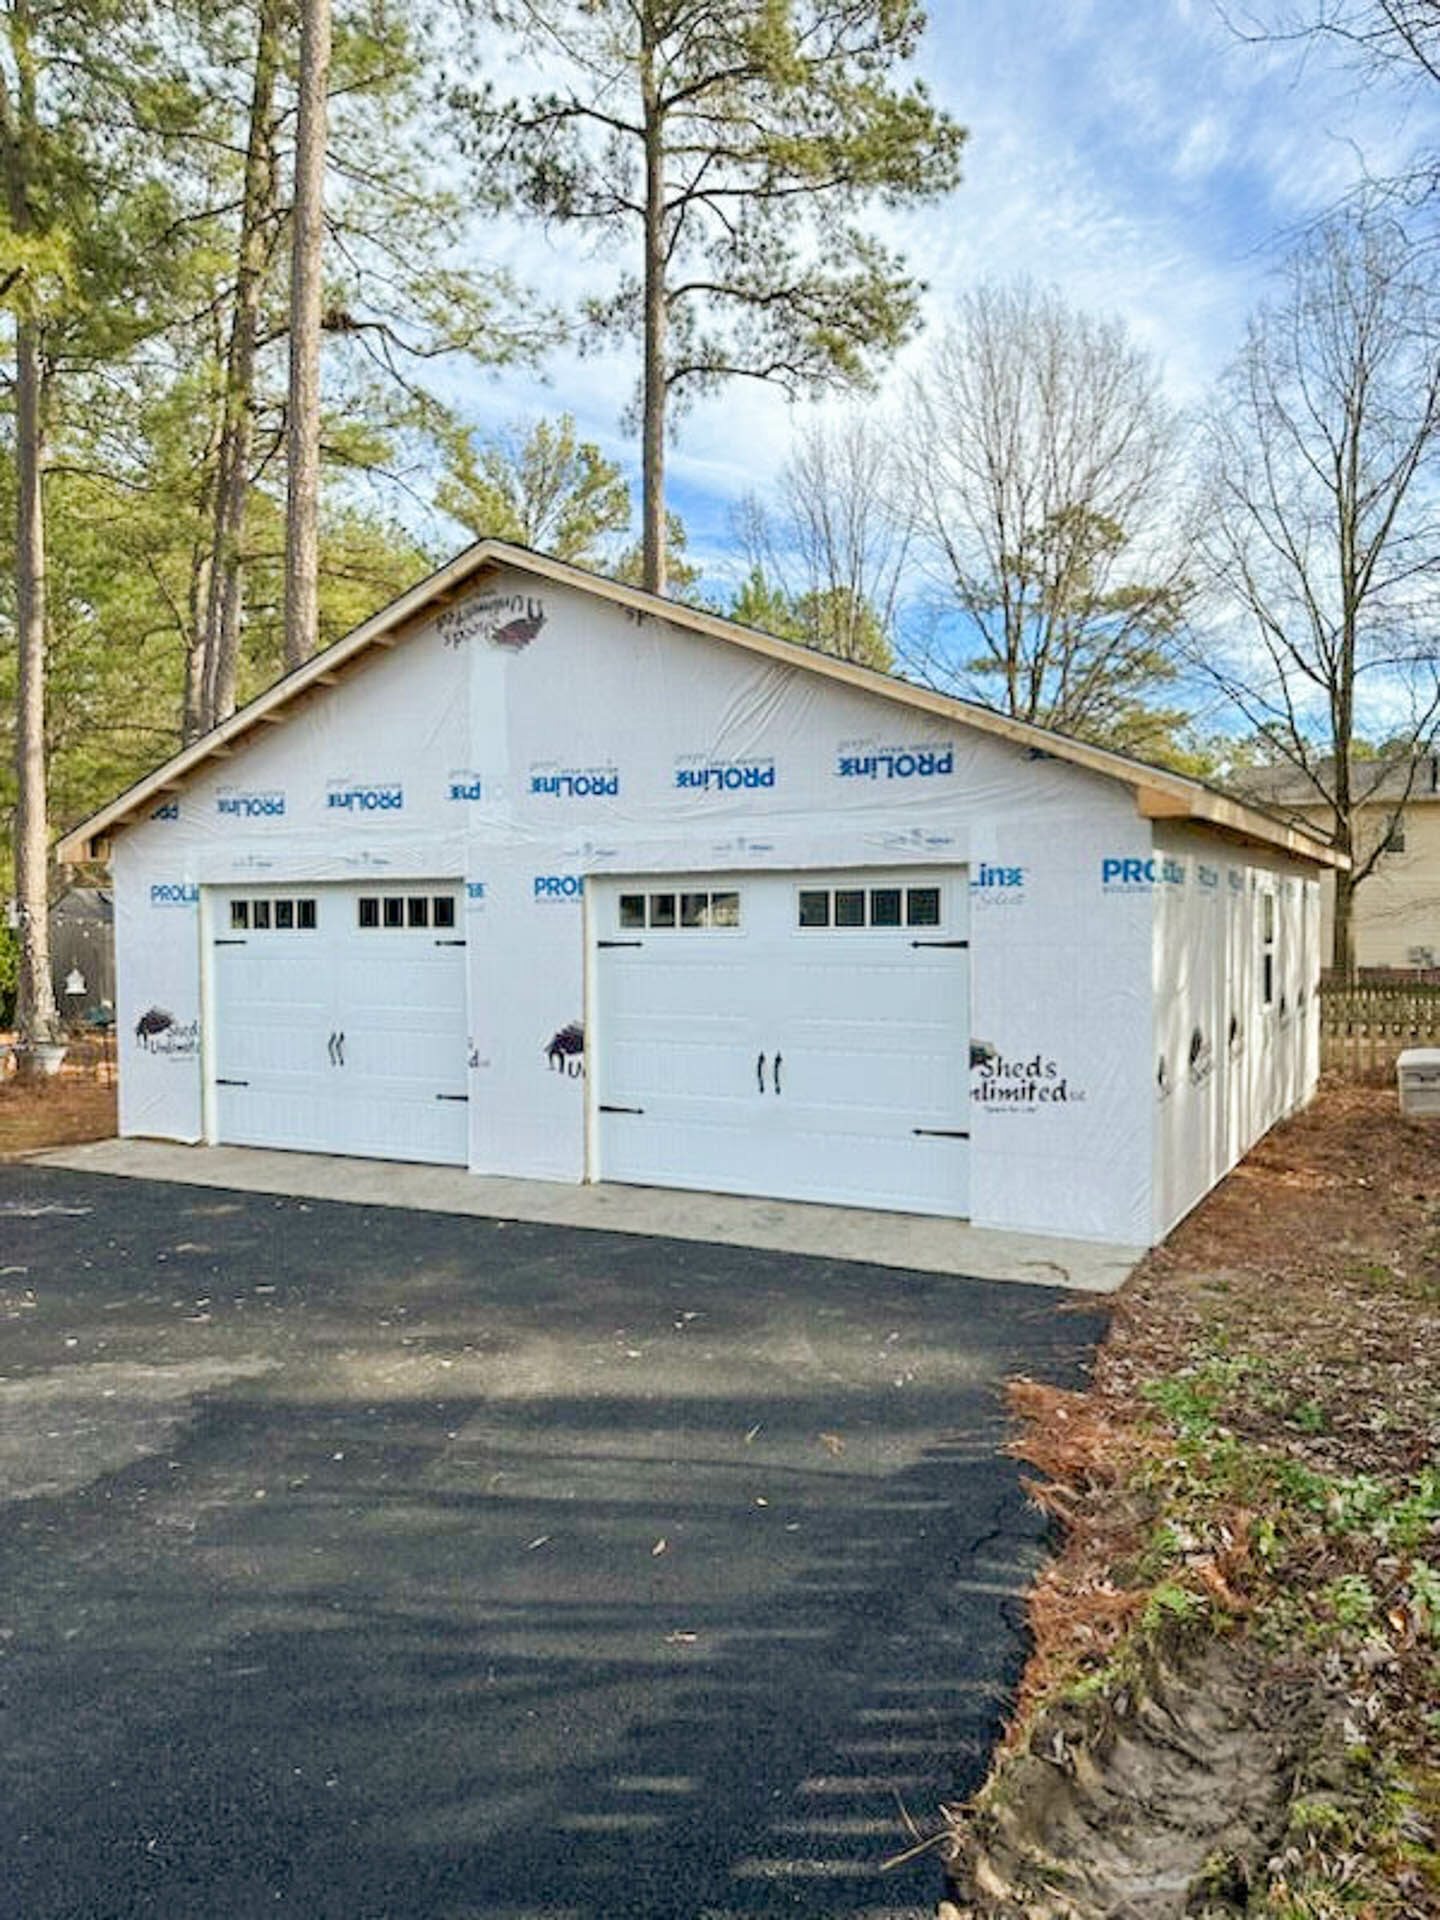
1237, 822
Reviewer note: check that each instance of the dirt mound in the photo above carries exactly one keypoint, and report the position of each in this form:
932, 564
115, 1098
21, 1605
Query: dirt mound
1165, 1798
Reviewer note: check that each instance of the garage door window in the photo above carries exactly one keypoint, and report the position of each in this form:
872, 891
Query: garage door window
687, 912
850, 907
266, 916
377, 912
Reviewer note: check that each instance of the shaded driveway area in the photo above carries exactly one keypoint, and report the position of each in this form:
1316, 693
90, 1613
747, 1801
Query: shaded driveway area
370, 1565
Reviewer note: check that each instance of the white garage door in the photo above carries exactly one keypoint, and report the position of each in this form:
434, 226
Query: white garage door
798, 1035
340, 1019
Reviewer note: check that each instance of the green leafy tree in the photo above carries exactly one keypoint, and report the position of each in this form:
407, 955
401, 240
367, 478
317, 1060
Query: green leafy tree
830, 619
735, 146
91, 259
684, 576
540, 486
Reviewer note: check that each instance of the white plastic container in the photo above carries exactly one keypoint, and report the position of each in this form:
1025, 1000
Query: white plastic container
1418, 1070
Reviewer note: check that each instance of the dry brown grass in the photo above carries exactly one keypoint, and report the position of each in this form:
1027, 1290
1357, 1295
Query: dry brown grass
77, 1104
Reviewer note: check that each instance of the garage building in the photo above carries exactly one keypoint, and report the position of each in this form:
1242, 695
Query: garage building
539, 875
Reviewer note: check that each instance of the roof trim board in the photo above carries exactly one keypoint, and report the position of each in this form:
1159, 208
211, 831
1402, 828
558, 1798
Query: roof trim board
1160, 794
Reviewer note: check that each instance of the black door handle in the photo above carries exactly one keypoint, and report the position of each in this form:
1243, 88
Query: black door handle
775, 1071
760, 1072
330, 1046
340, 1048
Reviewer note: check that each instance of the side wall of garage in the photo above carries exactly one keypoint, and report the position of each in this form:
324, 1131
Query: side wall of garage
1237, 1013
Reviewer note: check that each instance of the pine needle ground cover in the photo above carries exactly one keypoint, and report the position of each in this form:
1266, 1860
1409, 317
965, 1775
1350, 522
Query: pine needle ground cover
77, 1104
1233, 1705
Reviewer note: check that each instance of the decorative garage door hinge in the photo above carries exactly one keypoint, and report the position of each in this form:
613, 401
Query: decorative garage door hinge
619, 943
939, 943
449, 943
227, 942
452, 1096
230, 1083
605, 1109
941, 1133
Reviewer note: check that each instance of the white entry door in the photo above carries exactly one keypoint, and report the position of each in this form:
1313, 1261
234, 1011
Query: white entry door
340, 1020
798, 1035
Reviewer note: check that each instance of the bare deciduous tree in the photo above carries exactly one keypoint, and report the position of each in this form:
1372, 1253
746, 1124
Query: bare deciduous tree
1320, 520
835, 547
1041, 452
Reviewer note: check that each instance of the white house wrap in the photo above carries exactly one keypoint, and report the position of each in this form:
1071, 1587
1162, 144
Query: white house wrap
538, 875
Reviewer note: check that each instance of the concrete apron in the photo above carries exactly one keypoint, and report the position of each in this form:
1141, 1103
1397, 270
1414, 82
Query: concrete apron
914, 1241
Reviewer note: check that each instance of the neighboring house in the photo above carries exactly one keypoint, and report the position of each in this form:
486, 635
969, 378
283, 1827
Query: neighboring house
544, 876
1397, 904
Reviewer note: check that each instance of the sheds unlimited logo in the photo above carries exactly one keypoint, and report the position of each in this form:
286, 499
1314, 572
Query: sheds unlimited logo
565, 1052
509, 621
1019, 1086
157, 1031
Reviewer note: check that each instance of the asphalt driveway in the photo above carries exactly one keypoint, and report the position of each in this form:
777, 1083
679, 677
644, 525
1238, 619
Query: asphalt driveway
370, 1565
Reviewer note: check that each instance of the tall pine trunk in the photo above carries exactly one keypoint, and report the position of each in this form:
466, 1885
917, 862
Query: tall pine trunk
36, 1016
225, 606
302, 514
652, 455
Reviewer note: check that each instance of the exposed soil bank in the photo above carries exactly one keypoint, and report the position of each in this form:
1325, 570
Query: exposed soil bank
1231, 1706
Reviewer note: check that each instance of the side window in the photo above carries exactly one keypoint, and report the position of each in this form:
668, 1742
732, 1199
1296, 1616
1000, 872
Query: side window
1267, 949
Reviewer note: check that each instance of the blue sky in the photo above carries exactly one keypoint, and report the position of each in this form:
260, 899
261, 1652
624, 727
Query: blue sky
1138, 154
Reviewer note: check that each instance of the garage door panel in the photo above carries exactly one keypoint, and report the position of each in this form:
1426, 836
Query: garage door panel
347, 1036
871, 1027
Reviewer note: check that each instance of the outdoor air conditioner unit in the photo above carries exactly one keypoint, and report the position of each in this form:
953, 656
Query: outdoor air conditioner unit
1420, 957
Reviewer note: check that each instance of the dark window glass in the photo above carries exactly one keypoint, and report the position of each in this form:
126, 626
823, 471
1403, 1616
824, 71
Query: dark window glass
285, 914
724, 909
1267, 980
394, 912
442, 910
369, 911
305, 915
239, 913
694, 909
849, 906
814, 907
417, 909
922, 906
632, 909
260, 913
885, 906
662, 909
